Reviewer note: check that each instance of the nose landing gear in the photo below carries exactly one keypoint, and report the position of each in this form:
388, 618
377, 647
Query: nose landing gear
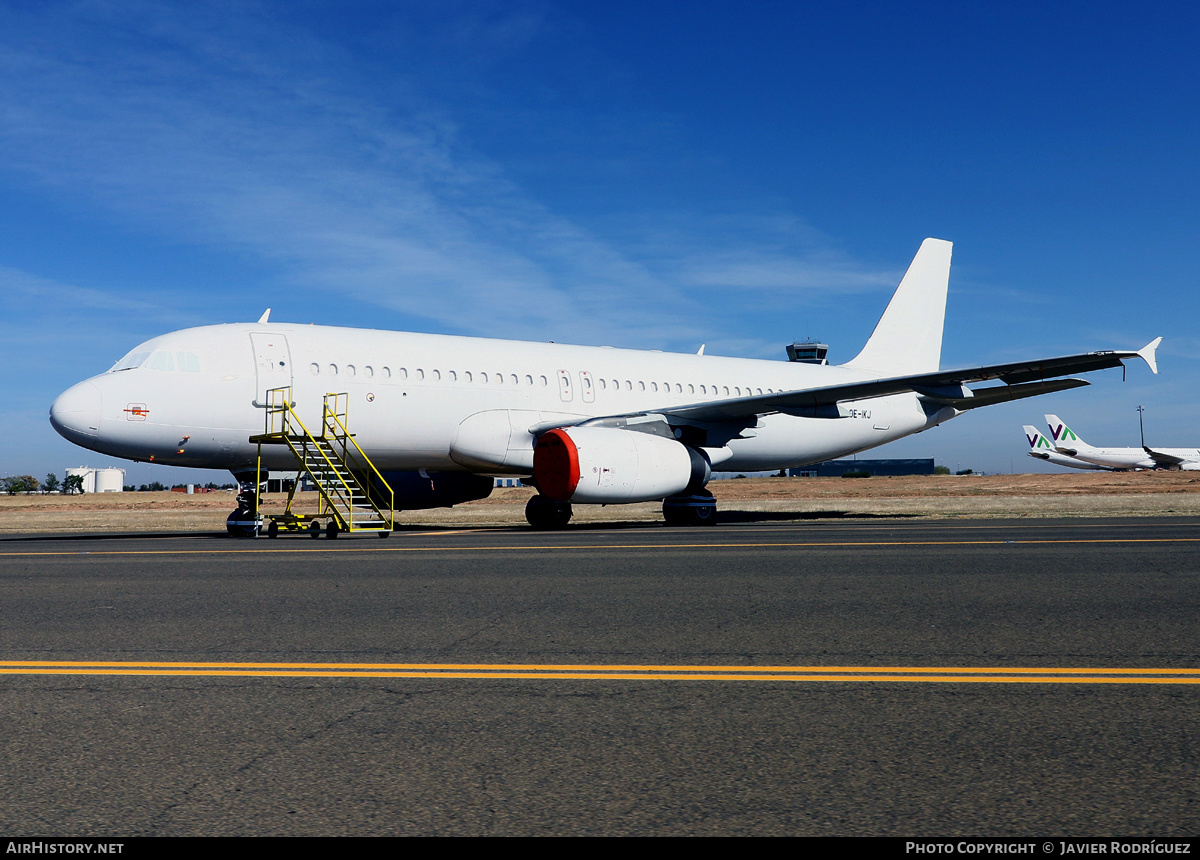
245, 521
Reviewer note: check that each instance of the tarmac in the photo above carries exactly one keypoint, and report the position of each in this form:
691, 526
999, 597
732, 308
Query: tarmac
763, 677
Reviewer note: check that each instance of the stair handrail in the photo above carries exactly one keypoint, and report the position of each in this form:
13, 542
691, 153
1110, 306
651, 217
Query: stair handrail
346, 435
288, 415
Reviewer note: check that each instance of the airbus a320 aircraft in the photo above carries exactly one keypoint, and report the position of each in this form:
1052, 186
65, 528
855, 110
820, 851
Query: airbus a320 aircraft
1171, 459
1041, 448
588, 425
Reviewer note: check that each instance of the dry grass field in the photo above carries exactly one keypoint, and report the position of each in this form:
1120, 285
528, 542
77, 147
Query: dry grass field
1058, 495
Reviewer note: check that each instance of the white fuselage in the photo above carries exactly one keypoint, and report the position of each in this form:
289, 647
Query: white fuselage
1137, 458
1115, 458
417, 401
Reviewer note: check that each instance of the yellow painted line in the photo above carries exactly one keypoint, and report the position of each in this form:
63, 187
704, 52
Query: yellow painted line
592, 667
619, 672
646, 546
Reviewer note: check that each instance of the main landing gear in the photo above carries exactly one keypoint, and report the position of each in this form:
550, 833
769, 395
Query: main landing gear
546, 514
697, 509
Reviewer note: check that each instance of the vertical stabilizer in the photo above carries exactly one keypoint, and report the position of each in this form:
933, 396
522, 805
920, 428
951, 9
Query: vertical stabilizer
908, 337
1038, 444
1065, 440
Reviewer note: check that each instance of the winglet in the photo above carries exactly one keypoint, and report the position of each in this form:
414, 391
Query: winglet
265, 318
1146, 353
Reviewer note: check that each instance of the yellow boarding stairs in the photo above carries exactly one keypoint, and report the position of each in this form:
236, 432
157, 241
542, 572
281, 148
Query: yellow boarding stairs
334, 462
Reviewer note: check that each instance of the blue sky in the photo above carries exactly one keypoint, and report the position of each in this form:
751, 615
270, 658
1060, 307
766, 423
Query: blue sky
645, 174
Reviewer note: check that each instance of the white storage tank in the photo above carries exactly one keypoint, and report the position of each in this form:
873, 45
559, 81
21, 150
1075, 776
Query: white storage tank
110, 480
88, 475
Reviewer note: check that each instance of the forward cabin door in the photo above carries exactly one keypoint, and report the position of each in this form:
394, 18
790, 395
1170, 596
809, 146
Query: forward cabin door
272, 363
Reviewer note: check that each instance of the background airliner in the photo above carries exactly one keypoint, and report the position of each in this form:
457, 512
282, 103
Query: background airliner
1175, 459
1043, 449
590, 425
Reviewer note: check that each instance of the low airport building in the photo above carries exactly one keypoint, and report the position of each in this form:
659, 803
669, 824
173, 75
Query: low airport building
838, 468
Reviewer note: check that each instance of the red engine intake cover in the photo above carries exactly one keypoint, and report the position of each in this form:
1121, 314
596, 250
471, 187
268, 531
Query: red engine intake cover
556, 465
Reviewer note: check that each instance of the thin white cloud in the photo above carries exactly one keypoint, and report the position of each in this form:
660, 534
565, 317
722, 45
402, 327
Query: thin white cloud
221, 126
28, 292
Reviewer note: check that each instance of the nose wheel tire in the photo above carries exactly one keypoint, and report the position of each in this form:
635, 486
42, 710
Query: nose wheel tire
241, 524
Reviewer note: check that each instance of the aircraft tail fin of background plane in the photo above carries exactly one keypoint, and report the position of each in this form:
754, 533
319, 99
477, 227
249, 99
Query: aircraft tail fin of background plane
1038, 444
1063, 436
908, 337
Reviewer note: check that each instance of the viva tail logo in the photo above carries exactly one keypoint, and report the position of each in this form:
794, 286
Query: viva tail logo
1063, 433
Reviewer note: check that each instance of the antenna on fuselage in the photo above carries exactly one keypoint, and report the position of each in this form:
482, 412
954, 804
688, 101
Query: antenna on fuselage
265, 318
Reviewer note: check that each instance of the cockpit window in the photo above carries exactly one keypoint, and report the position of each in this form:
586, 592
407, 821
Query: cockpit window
188, 362
129, 362
160, 359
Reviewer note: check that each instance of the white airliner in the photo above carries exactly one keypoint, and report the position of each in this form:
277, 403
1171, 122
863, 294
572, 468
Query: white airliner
590, 425
1042, 448
1172, 459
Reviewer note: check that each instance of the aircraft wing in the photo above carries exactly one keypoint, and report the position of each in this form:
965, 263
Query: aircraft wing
947, 387
1162, 459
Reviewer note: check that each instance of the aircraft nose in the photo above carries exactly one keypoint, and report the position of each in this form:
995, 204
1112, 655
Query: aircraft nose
76, 412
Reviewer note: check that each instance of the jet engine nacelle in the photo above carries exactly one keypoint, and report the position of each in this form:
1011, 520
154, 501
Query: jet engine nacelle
607, 465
